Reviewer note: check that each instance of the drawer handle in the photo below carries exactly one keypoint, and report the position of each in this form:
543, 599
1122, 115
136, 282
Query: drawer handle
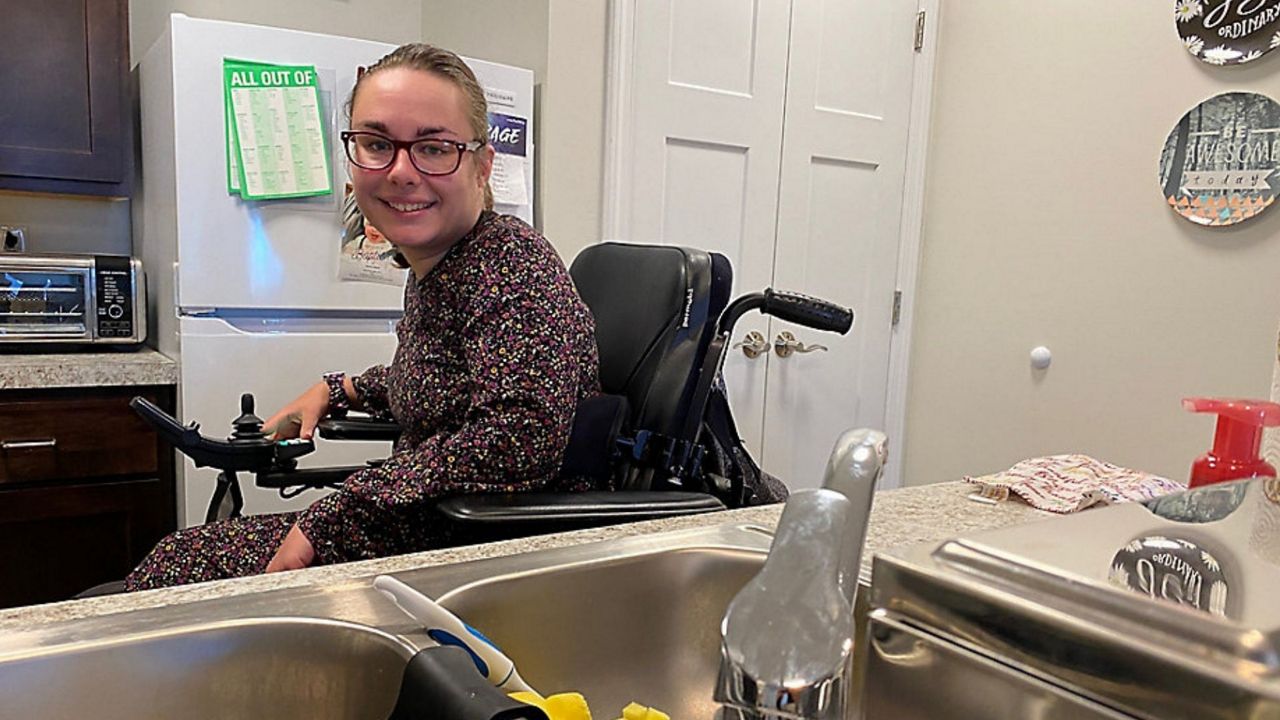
28, 444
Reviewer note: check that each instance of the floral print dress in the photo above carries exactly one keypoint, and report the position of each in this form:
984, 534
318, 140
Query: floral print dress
495, 351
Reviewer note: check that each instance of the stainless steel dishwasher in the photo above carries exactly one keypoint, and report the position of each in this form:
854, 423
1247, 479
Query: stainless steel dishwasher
1169, 610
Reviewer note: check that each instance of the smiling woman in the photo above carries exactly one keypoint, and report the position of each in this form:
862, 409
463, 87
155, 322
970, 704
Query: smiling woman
495, 347
425, 198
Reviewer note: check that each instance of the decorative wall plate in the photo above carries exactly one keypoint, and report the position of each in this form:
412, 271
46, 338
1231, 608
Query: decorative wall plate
1228, 32
1218, 166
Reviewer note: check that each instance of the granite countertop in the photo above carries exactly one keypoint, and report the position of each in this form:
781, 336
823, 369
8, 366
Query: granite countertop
899, 517
88, 369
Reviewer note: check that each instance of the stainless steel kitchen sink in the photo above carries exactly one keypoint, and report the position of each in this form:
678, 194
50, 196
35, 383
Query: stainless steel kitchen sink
267, 667
643, 628
628, 619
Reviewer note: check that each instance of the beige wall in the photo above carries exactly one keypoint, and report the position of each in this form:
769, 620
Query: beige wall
1044, 224
392, 21
572, 154
57, 223
513, 32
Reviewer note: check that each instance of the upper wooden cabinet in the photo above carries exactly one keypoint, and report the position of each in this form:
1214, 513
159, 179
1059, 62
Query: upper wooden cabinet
65, 97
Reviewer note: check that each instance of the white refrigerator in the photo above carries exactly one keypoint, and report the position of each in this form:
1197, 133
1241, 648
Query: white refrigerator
246, 295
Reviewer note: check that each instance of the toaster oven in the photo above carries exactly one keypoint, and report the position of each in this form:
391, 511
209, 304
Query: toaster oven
73, 299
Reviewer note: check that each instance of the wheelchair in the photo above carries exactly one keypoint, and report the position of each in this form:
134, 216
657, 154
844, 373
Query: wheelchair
660, 437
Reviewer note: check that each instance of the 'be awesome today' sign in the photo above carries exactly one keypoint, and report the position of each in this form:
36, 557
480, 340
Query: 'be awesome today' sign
1219, 164
1228, 32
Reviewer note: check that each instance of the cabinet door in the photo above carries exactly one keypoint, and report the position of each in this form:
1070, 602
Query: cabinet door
60, 540
86, 489
63, 437
65, 123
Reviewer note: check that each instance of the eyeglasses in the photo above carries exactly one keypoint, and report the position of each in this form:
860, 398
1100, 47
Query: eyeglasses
372, 151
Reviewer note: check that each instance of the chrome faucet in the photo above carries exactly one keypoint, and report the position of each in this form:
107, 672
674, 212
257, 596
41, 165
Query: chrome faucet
786, 641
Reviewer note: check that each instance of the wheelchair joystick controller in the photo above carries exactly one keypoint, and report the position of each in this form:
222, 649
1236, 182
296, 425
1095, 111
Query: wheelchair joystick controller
247, 449
248, 426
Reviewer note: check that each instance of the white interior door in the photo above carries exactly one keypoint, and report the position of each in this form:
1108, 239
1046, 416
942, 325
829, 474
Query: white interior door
848, 107
777, 133
708, 86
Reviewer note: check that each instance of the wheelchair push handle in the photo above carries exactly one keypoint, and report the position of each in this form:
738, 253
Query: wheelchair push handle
793, 307
808, 311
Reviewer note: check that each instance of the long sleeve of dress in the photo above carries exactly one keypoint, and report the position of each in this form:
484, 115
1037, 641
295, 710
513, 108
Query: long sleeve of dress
524, 365
512, 439
371, 391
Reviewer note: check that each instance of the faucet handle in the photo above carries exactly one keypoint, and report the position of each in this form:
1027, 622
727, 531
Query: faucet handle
787, 637
856, 463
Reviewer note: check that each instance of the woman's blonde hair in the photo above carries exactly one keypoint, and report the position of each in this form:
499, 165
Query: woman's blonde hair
445, 64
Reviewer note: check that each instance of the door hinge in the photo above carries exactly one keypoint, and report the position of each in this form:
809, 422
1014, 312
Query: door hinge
897, 307
919, 31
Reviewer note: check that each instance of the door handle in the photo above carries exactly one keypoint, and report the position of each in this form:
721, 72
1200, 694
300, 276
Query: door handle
753, 344
786, 344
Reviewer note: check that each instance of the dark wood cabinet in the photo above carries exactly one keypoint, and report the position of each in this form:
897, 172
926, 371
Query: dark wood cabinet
66, 97
86, 489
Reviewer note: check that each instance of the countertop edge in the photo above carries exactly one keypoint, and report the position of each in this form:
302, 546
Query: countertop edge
899, 517
20, 371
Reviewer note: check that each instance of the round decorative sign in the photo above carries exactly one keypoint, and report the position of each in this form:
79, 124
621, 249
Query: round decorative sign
1218, 166
1228, 32
1174, 570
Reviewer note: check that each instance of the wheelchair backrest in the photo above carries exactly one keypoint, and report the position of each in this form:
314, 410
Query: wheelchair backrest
655, 308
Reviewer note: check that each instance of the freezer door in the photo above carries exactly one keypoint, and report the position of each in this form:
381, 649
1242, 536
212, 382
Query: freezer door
234, 253
275, 359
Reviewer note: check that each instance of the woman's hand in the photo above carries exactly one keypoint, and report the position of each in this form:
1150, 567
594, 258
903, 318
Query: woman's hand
299, 418
295, 552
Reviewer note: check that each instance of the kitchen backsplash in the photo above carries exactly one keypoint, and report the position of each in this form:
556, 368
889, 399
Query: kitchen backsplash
57, 223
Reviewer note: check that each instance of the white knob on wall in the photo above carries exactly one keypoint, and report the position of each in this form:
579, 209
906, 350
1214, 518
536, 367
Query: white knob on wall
1041, 357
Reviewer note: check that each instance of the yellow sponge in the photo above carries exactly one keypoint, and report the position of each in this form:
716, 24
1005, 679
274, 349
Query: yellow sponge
562, 706
636, 711
572, 706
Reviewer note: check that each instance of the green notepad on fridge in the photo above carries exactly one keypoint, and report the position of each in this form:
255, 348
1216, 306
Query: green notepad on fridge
276, 146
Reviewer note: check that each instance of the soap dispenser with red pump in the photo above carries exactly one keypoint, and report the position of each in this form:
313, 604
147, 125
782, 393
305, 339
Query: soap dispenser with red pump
1236, 441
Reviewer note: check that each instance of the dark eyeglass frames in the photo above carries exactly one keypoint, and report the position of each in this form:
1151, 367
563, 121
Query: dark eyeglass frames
433, 156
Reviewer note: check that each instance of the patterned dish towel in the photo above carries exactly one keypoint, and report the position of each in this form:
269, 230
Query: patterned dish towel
1067, 483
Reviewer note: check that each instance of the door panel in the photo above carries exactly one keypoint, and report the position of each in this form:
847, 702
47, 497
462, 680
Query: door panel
723, 64
840, 207
709, 85
704, 197
852, 37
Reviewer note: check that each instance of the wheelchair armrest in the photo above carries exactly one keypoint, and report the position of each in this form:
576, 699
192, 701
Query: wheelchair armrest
358, 428
306, 477
553, 511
